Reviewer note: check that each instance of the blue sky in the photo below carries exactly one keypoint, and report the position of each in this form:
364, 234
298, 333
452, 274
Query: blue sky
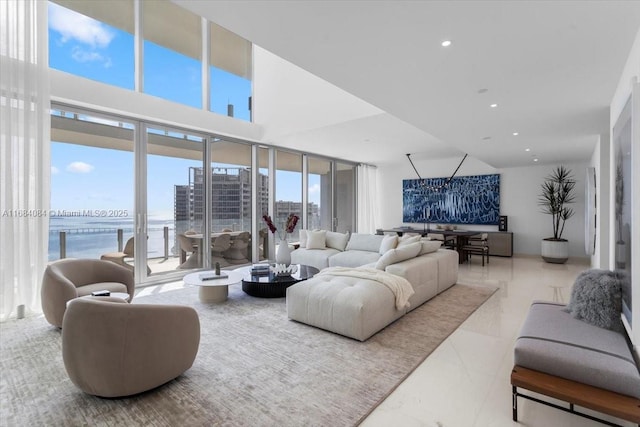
86, 177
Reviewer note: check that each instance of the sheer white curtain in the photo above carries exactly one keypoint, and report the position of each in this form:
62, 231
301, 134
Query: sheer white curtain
367, 200
24, 153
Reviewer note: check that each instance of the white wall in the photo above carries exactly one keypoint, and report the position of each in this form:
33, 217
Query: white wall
519, 189
629, 76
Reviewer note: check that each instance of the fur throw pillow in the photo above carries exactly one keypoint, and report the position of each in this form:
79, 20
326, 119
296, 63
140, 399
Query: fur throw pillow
596, 298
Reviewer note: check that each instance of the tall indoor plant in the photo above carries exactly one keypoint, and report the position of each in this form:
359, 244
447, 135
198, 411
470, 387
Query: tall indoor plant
557, 192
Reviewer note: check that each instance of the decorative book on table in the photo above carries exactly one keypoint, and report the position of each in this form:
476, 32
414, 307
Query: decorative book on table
211, 275
260, 270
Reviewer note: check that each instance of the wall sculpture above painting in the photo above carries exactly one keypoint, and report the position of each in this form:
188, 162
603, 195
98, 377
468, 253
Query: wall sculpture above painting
460, 200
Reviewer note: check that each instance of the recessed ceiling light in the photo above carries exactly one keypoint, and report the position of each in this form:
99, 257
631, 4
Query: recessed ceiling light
446, 43
527, 149
516, 134
535, 160
493, 105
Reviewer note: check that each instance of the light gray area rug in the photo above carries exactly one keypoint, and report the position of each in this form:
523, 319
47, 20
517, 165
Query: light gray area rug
254, 368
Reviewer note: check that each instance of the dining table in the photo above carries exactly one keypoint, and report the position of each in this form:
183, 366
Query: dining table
196, 239
462, 239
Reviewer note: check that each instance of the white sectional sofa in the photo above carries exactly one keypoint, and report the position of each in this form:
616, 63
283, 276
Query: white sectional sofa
358, 307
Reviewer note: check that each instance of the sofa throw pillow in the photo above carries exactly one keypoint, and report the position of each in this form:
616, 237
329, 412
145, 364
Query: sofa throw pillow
408, 239
596, 298
364, 242
303, 238
388, 242
337, 240
316, 239
429, 246
399, 254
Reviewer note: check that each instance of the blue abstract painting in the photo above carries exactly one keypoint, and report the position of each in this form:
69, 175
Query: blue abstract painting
465, 200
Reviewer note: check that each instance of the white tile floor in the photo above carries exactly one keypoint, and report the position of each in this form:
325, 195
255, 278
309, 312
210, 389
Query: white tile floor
465, 381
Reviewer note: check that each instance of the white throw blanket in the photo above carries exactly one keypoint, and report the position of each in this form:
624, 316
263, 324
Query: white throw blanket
400, 286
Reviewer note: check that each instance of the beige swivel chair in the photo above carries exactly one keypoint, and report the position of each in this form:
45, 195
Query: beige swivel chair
67, 279
192, 257
220, 244
114, 349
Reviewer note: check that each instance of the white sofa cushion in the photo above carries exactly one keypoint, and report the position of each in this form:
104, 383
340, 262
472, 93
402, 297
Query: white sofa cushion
429, 246
408, 239
316, 239
353, 258
388, 242
314, 257
398, 254
337, 240
364, 242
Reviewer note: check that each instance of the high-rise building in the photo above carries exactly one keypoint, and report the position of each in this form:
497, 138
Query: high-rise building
230, 201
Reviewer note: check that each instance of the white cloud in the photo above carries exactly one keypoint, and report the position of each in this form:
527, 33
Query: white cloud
79, 167
75, 26
81, 55
314, 189
54, 170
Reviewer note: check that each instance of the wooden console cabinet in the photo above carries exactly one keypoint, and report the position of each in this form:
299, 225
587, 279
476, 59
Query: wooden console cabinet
500, 243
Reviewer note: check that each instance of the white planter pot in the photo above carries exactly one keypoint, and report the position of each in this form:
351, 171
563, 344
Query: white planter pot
555, 251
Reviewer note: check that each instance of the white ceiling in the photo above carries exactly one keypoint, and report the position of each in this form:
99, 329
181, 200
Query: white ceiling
551, 66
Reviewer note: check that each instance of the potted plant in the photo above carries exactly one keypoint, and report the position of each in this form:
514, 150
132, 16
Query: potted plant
557, 192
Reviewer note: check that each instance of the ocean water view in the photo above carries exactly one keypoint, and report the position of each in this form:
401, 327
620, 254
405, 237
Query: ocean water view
90, 237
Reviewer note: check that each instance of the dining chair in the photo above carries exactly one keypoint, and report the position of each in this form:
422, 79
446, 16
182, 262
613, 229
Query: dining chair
192, 259
238, 252
448, 242
220, 244
477, 246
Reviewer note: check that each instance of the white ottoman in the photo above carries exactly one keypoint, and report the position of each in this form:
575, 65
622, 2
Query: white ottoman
354, 307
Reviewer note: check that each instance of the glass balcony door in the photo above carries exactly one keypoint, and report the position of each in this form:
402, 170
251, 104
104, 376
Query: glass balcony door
170, 209
231, 203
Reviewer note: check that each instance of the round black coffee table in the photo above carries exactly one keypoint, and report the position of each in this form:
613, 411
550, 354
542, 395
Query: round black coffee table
272, 286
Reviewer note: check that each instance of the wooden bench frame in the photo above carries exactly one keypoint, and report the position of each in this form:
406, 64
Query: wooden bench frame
575, 393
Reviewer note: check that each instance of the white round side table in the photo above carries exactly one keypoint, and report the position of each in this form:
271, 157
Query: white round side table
215, 290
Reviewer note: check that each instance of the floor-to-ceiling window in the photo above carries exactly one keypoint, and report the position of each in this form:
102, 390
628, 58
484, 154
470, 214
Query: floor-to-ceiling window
263, 201
117, 180
288, 197
319, 205
231, 203
92, 184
